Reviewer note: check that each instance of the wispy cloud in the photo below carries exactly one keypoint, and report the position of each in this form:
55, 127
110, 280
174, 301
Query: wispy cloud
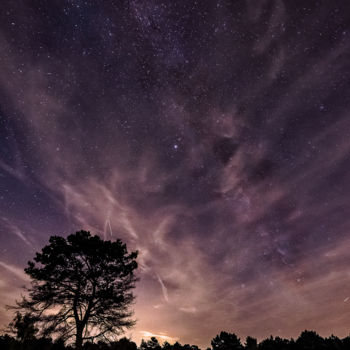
17, 231
190, 310
15, 271
164, 289
160, 336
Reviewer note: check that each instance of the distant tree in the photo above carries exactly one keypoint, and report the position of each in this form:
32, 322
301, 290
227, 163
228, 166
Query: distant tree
267, 344
177, 346
226, 341
333, 343
81, 288
123, 344
282, 344
151, 344
274, 344
167, 346
188, 347
346, 343
23, 327
191, 347
251, 343
310, 340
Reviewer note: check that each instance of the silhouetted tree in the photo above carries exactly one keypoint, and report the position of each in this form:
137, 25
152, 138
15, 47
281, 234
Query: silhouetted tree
310, 340
123, 344
346, 343
167, 346
81, 287
251, 343
307, 340
226, 341
177, 346
151, 344
274, 344
333, 343
191, 347
267, 344
23, 326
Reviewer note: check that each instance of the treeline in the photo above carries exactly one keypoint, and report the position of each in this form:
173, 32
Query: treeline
308, 340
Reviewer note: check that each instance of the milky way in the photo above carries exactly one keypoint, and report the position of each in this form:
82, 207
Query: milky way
212, 136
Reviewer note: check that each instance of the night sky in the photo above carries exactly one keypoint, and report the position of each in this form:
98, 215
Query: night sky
212, 136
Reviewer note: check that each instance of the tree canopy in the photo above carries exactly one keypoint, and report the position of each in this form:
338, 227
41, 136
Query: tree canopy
226, 341
81, 288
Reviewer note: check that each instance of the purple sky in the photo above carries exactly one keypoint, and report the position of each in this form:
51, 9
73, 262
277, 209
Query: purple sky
212, 136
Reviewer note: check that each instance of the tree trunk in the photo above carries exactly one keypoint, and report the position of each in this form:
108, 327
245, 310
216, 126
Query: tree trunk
79, 337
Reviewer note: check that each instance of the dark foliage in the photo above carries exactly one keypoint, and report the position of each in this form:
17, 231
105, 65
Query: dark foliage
226, 341
23, 326
251, 343
81, 288
306, 341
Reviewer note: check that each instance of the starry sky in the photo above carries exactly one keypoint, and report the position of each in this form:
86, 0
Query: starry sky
212, 136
